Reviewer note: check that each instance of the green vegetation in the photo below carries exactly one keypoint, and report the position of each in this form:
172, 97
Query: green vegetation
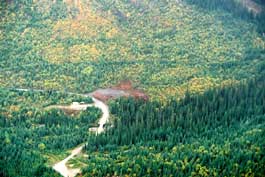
239, 8
163, 47
195, 59
219, 133
91, 115
32, 136
79, 161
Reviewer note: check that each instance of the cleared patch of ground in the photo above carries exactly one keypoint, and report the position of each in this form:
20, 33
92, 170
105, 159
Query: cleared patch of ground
124, 89
72, 109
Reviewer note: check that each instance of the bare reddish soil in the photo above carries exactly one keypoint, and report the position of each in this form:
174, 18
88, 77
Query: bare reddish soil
101, 96
123, 89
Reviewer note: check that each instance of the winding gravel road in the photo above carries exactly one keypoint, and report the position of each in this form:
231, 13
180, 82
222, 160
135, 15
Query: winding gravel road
61, 167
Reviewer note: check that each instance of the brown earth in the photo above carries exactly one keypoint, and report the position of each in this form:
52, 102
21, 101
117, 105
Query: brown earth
71, 110
123, 89
102, 97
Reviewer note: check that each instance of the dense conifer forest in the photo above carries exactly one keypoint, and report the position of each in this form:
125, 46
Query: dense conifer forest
201, 63
30, 135
218, 133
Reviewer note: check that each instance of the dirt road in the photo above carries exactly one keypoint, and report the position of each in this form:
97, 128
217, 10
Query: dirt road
61, 167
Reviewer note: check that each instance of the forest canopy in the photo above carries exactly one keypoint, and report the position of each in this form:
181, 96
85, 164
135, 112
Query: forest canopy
201, 63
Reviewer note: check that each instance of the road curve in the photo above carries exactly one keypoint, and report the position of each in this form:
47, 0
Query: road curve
61, 167
105, 114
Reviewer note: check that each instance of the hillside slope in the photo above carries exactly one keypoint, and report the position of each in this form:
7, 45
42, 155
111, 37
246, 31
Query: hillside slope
219, 133
163, 47
198, 65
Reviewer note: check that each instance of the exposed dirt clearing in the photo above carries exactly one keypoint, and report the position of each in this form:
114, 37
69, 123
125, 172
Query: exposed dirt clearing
124, 89
73, 109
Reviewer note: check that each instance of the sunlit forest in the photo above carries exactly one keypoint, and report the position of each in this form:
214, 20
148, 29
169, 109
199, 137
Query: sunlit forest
199, 63
219, 133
